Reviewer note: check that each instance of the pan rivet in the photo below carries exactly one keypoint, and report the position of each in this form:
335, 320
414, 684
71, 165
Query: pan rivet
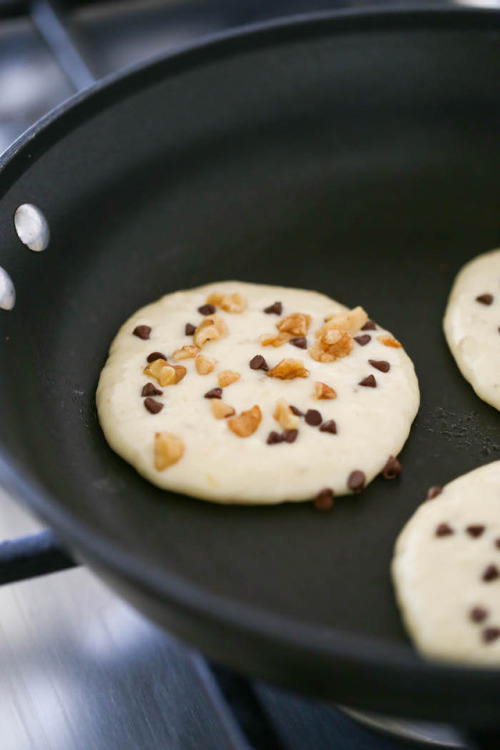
32, 227
7, 291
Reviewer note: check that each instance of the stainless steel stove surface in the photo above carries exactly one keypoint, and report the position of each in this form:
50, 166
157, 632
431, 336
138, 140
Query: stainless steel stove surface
80, 670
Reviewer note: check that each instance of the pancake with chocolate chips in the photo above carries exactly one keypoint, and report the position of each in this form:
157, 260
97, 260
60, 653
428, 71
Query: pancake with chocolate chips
246, 393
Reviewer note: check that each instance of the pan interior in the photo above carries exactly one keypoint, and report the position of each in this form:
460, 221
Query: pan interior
365, 166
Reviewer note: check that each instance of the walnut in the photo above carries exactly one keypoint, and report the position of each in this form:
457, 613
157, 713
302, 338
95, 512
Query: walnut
161, 371
271, 339
226, 377
288, 369
331, 345
221, 410
245, 423
231, 303
168, 450
297, 324
285, 416
187, 352
204, 365
180, 372
390, 341
322, 390
351, 321
210, 329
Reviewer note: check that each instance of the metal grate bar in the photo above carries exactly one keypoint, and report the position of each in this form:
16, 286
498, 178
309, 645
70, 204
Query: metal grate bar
32, 556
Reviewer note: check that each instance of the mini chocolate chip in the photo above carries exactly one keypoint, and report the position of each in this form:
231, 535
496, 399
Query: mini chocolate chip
313, 417
369, 326
296, 411
142, 332
444, 530
324, 500
206, 309
363, 340
392, 469
214, 393
259, 363
155, 355
490, 634
190, 329
290, 436
276, 309
368, 382
497, 543
380, 364
151, 390
274, 437
356, 480
153, 406
475, 530
485, 299
329, 426
490, 573
433, 492
478, 614
300, 342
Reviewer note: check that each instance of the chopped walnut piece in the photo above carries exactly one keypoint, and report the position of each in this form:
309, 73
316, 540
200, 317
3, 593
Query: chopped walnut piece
351, 321
231, 303
272, 339
180, 372
390, 341
210, 329
168, 450
187, 352
161, 371
245, 423
332, 344
204, 365
322, 390
297, 324
288, 369
221, 410
226, 377
285, 416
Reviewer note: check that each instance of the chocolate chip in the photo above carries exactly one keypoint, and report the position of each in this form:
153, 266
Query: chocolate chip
153, 406
142, 332
329, 426
475, 530
392, 469
490, 573
444, 530
368, 382
274, 437
296, 411
324, 500
363, 340
497, 543
155, 355
206, 309
214, 393
290, 436
151, 390
259, 363
369, 326
300, 342
485, 299
478, 614
313, 417
190, 329
380, 364
433, 492
276, 309
490, 634
356, 480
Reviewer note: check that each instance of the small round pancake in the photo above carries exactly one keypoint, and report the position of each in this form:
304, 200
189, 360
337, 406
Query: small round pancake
446, 571
222, 428
472, 325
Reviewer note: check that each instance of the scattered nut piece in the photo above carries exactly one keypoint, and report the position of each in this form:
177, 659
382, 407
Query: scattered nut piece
390, 341
226, 377
187, 352
271, 339
231, 303
210, 329
168, 450
161, 371
322, 390
297, 324
288, 369
351, 321
180, 372
332, 344
245, 423
204, 365
221, 410
285, 416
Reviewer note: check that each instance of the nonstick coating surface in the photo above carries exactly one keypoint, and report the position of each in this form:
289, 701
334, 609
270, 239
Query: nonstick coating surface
355, 156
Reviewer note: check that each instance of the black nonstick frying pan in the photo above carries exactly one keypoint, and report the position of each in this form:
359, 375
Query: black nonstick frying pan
355, 154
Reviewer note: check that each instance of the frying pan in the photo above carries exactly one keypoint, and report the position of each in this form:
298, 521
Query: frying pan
356, 154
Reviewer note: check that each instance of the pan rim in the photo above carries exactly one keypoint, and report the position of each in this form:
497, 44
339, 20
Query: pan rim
355, 651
